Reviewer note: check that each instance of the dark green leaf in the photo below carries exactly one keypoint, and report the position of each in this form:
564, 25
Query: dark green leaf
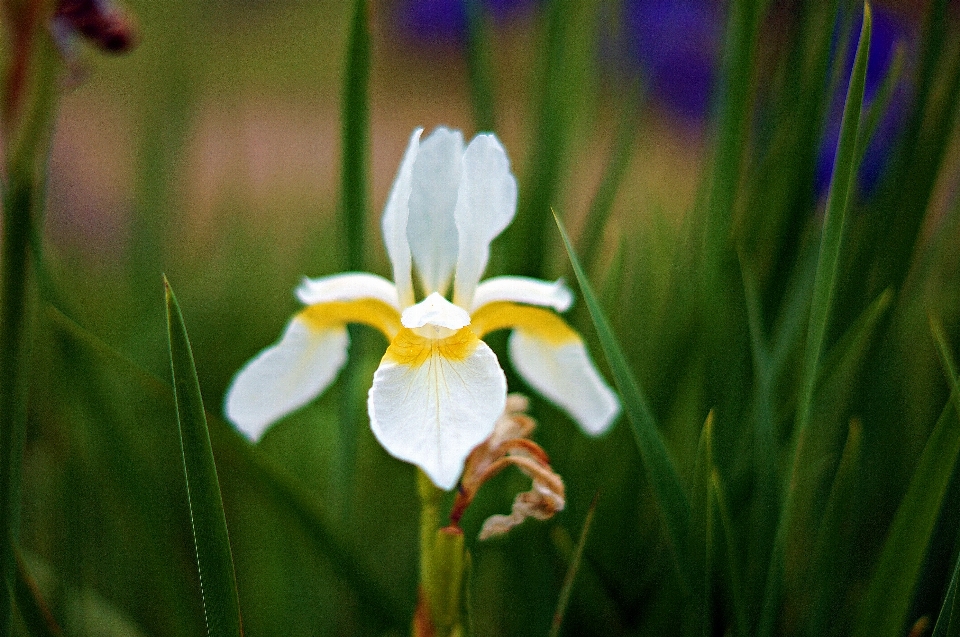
663, 476
218, 584
572, 570
883, 609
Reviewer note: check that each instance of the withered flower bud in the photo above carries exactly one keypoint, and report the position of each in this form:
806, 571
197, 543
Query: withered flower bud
509, 445
105, 24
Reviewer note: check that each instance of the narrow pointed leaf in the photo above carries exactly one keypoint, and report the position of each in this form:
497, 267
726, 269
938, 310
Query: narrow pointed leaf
479, 68
824, 286
218, 584
661, 471
572, 570
883, 609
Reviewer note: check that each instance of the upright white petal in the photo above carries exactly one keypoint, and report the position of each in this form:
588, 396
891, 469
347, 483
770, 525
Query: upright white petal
486, 204
521, 289
394, 222
435, 413
285, 376
348, 287
565, 374
436, 311
430, 228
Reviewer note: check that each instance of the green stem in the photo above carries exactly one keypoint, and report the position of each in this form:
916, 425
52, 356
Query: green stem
442, 567
29, 137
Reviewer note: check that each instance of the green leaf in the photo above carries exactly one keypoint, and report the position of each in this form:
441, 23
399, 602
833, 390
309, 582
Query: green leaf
33, 610
825, 282
661, 471
564, 599
883, 609
478, 68
948, 620
221, 605
733, 560
354, 207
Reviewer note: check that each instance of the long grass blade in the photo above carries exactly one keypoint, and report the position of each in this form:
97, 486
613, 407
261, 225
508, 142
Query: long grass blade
883, 609
661, 471
479, 68
572, 570
221, 604
354, 207
948, 620
825, 281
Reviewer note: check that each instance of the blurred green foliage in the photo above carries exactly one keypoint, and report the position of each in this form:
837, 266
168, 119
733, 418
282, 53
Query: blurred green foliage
821, 498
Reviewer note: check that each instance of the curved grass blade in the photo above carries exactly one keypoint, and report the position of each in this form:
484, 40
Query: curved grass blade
284, 488
221, 605
824, 286
572, 570
733, 561
661, 471
883, 609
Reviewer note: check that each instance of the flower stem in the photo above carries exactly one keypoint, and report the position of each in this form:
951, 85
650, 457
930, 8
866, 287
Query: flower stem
440, 609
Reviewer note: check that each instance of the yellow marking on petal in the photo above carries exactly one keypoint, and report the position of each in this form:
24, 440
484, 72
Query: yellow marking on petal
409, 348
536, 321
376, 314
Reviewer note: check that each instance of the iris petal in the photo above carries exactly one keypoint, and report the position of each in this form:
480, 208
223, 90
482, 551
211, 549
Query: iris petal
434, 400
430, 227
521, 289
347, 287
394, 222
285, 376
486, 204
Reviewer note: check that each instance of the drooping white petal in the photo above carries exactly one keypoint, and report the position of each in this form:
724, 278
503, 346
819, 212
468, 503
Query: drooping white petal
430, 227
435, 310
347, 287
434, 414
565, 374
521, 289
394, 222
486, 203
285, 376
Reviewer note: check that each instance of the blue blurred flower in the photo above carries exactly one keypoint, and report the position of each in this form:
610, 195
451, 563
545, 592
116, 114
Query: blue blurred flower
446, 20
889, 29
675, 44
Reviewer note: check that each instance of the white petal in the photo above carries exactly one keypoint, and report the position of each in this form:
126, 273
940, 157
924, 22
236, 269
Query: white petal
565, 374
394, 222
521, 289
430, 227
486, 203
434, 414
347, 287
437, 311
285, 376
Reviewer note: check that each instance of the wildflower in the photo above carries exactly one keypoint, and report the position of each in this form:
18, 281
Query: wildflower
439, 389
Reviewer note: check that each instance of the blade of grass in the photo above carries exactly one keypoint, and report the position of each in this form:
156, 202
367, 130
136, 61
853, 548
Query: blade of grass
284, 487
33, 610
838, 198
354, 207
948, 620
661, 471
478, 68
218, 586
825, 577
28, 125
884, 607
572, 570
733, 561
881, 101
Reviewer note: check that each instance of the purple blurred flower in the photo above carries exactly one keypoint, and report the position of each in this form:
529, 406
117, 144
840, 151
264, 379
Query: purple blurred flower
446, 20
889, 29
675, 43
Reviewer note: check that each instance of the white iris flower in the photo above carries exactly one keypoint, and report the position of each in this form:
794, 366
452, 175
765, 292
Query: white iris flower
439, 389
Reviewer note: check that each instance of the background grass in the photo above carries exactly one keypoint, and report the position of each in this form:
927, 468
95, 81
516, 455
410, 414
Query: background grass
214, 152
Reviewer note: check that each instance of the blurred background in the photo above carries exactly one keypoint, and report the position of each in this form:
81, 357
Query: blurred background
211, 152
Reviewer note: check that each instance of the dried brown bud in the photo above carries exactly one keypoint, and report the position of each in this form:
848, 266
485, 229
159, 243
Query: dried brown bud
104, 23
509, 445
